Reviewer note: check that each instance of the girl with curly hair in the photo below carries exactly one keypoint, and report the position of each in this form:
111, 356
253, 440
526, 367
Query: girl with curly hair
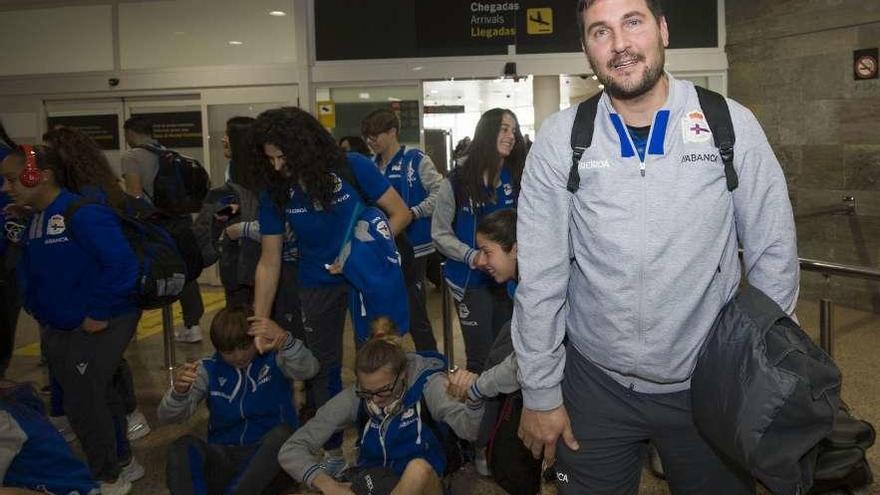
87, 171
84, 170
320, 192
487, 181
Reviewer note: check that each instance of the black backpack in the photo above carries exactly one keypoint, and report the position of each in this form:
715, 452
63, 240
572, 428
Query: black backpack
181, 182
841, 463
167, 253
717, 115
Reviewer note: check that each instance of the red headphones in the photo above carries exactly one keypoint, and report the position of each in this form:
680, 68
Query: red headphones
31, 175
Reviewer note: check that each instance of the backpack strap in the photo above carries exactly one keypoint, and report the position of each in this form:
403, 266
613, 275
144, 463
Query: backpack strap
581, 138
718, 116
71, 210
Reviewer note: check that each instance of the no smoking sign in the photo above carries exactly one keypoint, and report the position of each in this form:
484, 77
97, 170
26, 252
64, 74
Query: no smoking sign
865, 64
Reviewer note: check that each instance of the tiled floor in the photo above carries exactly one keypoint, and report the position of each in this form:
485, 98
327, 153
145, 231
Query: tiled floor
857, 345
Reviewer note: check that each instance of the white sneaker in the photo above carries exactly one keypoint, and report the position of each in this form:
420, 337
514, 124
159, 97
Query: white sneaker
137, 426
118, 487
188, 335
63, 426
132, 471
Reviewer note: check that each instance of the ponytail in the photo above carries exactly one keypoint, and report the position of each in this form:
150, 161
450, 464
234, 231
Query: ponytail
382, 350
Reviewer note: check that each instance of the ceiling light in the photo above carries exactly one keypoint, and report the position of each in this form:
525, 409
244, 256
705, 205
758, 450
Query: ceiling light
417, 68
278, 13
236, 43
595, 77
601, 86
364, 96
391, 98
434, 91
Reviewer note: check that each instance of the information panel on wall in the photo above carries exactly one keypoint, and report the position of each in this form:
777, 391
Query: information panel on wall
176, 129
419, 28
104, 129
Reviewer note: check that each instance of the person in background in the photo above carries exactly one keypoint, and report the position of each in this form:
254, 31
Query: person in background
414, 176
78, 277
139, 169
88, 173
355, 144
488, 181
317, 190
227, 227
247, 387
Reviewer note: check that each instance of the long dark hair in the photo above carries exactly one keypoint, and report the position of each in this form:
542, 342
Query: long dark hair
84, 164
483, 158
241, 167
310, 152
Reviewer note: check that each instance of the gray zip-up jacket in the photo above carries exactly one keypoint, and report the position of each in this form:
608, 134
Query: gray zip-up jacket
635, 267
294, 360
299, 455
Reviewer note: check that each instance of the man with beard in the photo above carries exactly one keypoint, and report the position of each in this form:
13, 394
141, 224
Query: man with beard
621, 280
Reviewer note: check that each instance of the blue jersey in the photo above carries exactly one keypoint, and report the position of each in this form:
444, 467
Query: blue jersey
68, 272
403, 174
321, 233
44, 461
246, 404
459, 275
371, 264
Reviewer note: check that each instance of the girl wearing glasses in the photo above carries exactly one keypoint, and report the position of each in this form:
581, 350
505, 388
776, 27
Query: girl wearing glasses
397, 402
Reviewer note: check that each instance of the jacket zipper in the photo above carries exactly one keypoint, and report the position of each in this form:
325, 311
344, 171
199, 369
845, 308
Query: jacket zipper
241, 404
644, 207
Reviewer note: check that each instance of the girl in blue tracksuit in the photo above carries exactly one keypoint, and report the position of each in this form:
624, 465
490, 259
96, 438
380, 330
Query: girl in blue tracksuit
412, 174
78, 277
488, 181
398, 404
250, 400
88, 173
34, 455
315, 187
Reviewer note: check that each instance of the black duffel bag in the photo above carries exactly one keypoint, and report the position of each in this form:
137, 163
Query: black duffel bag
764, 394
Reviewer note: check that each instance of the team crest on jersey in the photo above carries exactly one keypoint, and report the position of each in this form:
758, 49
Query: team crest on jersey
222, 381
508, 190
337, 183
463, 311
14, 231
263, 377
408, 413
694, 128
56, 225
382, 228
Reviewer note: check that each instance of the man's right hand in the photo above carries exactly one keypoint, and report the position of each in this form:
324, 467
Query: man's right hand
540, 430
185, 377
